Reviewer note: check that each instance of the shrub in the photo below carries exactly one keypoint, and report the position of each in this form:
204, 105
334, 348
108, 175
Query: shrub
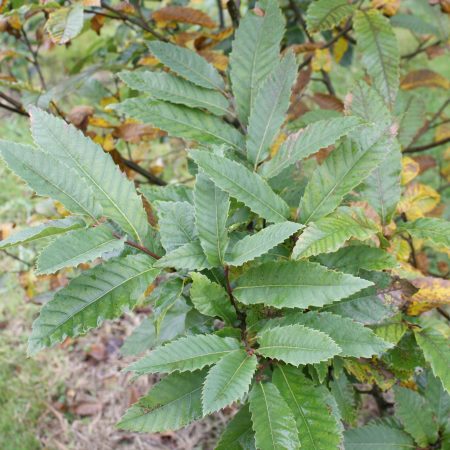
278, 276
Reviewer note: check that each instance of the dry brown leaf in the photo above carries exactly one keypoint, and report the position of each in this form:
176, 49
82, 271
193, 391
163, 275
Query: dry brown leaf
424, 78
327, 101
88, 409
218, 60
389, 7
97, 22
79, 116
425, 162
135, 132
181, 14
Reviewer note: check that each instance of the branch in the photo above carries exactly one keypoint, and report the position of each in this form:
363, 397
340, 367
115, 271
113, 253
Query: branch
221, 17
34, 59
138, 246
150, 177
422, 148
234, 13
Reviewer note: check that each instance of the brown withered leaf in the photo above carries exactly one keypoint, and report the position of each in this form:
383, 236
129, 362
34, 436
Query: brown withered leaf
79, 116
181, 14
433, 292
92, 3
209, 40
327, 101
218, 60
97, 23
424, 78
135, 132
425, 162
88, 409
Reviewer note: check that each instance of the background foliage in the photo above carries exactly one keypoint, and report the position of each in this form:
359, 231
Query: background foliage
85, 62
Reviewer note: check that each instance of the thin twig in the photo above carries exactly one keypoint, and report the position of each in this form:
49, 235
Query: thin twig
138, 246
35, 61
137, 168
17, 258
221, 17
422, 148
233, 11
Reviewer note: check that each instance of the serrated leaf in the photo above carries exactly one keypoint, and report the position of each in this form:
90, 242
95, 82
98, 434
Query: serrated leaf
436, 350
96, 295
228, 381
295, 284
164, 86
316, 424
142, 338
187, 64
273, 420
305, 142
211, 213
296, 344
47, 176
431, 229
47, 229
344, 395
269, 109
238, 434
181, 121
189, 256
171, 404
326, 14
411, 120
76, 247
169, 193
254, 245
210, 298
354, 258
382, 187
377, 437
344, 169
176, 224
111, 188
416, 416
186, 354
353, 338
64, 24
255, 50
377, 43
438, 399
247, 187
330, 233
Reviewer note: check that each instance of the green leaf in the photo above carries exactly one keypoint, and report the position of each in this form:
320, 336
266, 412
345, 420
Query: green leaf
96, 295
111, 188
169, 193
436, 350
378, 45
238, 434
344, 169
269, 109
181, 121
80, 246
438, 399
188, 64
273, 420
305, 142
171, 404
296, 344
331, 232
189, 256
432, 229
164, 86
64, 24
141, 339
247, 187
210, 298
316, 424
354, 258
254, 245
47, 229
416, 416
411, 120
326, 14
382, 187
186, 354
255, 50
176, 224
344, 395
353, 338
211, 212
228, 381
295, 284
47, 176
377, 437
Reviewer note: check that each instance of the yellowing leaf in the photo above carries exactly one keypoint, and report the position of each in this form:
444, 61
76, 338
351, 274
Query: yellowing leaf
418, 200
108, 143
442, 132
218, 60
92, 3
389, 7
148, 61
14, 21
321, 60
433, 292
104, 102
99, 122
424, 78
181, 14
339, 48
410, 169
366, 372
277, 144
399, 248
